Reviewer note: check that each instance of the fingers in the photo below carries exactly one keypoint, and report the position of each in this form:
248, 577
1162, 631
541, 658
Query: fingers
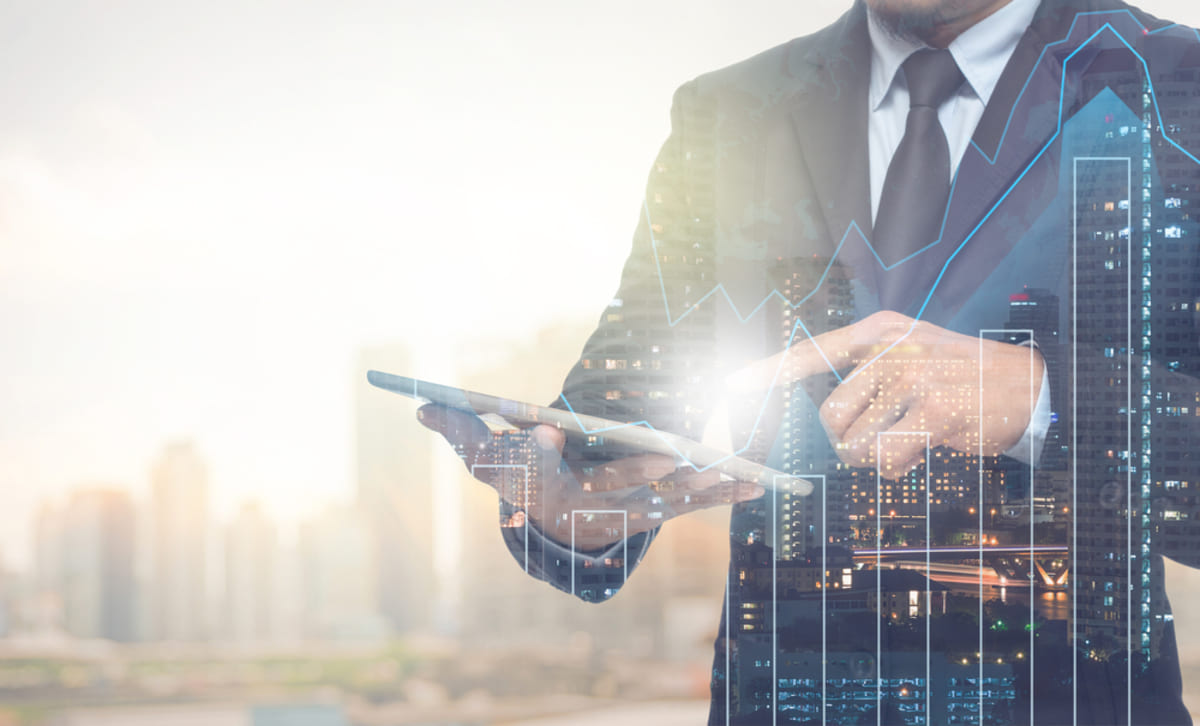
801, 360
871, 400
682, 501
836, 350
690, 489
625, 473
626, 512
849, 402
693, 480
548, 437
460, 428
663, 497
645, 503
878, 410
903, 448
484, 453
471, 440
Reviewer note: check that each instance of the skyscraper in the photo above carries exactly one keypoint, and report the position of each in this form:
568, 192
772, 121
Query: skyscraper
1136, 483
395, 491
251, 556
8, 587
178, 530
95, 571
819, 297
47, 610
1036, 312
339, 576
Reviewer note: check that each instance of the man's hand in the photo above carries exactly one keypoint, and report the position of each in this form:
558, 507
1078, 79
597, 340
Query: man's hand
910, 376
529, 470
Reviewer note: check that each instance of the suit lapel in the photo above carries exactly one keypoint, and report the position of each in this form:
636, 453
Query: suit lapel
1001, 148
1015, 132
829, 117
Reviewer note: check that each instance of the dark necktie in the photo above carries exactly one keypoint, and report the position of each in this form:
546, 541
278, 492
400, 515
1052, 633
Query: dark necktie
917, 185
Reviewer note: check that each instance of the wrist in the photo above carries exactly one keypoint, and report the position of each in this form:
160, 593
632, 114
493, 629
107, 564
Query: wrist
1011, 387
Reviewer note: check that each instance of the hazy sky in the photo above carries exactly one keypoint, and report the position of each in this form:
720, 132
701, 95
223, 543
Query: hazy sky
205, 210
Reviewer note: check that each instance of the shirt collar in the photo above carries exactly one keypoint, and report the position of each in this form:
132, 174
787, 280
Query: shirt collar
981, 51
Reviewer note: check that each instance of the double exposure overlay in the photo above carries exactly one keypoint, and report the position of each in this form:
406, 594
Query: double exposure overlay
334, 393
945, 568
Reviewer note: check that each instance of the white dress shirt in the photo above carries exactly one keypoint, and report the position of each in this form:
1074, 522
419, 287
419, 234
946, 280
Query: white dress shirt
981, 53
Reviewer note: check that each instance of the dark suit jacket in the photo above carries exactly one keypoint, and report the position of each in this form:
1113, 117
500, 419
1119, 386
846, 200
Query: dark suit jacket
1078, 194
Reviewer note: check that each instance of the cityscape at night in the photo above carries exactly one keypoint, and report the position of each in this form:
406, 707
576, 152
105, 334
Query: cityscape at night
888, 416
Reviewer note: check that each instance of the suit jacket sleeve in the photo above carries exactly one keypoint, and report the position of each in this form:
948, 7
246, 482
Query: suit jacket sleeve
651, 356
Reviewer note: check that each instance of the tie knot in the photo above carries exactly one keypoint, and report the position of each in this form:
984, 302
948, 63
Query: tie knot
932, 76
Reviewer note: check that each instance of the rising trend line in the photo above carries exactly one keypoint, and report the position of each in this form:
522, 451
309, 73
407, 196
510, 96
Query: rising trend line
853, 228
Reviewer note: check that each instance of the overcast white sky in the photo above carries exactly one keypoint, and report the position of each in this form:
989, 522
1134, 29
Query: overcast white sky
205, 210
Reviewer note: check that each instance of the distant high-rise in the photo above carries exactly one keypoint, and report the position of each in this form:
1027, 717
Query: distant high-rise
819, 299
94, 571
1036, 312
7, 597
339, 577
395, 490
46, 610
1135, 487
178, 532
251, 554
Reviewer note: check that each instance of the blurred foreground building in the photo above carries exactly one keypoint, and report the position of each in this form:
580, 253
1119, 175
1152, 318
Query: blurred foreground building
177, 593
85, 564
339, 584
251, 576
395, 492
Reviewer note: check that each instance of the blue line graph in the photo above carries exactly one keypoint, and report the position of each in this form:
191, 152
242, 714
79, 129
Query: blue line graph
854, 229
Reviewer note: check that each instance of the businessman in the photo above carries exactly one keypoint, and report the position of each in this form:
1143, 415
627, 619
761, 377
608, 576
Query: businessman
939, 261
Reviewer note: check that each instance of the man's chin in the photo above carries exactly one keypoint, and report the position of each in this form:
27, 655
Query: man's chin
915, 19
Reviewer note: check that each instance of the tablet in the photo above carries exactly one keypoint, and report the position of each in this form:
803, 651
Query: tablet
633, 436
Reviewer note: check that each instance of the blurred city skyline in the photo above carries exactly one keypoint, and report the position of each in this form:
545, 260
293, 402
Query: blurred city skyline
208, 217
423, 618
208, 211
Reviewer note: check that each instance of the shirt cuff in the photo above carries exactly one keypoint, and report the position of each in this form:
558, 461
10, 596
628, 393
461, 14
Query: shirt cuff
1029, 448
592, 576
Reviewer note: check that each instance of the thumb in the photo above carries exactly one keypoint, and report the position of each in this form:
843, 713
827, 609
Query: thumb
548, 437
458, 427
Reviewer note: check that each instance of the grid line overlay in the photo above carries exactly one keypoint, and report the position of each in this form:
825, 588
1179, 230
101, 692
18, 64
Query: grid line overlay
1127, 161
1032, 491
879, 572
775, 598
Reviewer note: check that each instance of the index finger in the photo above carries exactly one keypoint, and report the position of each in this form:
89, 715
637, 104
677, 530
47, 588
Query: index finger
835, 350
